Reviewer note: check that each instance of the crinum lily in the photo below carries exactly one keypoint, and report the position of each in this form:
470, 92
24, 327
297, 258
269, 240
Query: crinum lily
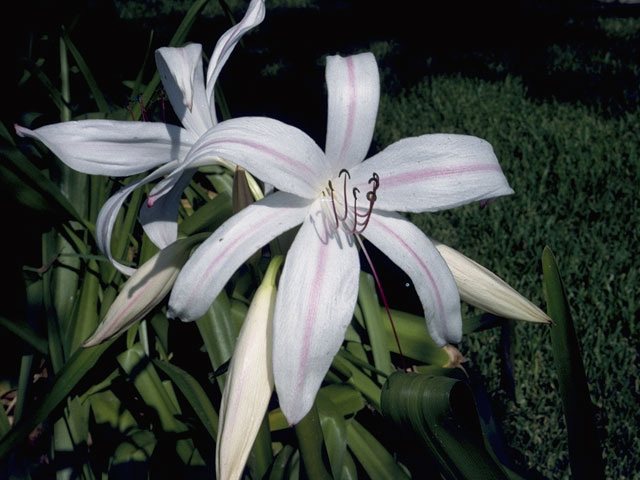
337, 197
122, 148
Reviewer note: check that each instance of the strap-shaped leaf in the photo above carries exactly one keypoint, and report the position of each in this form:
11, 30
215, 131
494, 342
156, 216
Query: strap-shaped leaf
442, 412
78, 365
194, 393
102, 104
376, 460
585, 455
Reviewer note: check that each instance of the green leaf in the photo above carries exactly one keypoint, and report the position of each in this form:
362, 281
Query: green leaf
218, 333
209, 216
414, 338
353, 376
477, 323
281, 463
33, 189
585, 454
5, 426
442, 412
54, 93
26, 333
74, 370
194, 393
147, 381
108, 409
334, 431
102, 104
85, 318
309, 434
376, 460
152, 391
374, 322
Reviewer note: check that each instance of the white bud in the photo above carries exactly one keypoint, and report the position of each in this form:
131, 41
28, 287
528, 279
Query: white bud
249, 383
145, 289
484, 289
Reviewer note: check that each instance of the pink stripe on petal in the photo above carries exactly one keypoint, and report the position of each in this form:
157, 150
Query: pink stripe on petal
415, 176
424, 267
311, 315
124, 311
351, 112
261, 148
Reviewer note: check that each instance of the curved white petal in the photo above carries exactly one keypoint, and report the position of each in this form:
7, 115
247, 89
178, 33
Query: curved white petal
273, 151
160, 218
183, 80
316, 297
353, 85
414, 253
110, 147
433, 172
109, 213
213, 263
226, 44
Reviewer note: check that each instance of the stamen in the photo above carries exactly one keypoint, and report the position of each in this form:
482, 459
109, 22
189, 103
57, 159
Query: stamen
344, 192
360, 220
333, 205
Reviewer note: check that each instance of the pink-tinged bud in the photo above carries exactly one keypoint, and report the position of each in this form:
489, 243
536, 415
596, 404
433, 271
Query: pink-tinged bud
145, 289
484, 289
249, 383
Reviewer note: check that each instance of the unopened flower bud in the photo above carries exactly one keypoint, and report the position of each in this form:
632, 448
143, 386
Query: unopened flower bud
249, 383
145, 289
484, 289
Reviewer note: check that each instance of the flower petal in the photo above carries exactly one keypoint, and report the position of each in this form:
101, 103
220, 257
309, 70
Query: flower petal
109, 213
433, 172
160, 218
353, 85
114, 148
414, 253
316, 298
226, 44
182, 77
213, 263
273, 151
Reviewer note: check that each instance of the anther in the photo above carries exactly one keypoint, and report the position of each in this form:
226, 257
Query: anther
360, 220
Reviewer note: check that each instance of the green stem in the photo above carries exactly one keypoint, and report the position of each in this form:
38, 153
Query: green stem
65, 112
309, 435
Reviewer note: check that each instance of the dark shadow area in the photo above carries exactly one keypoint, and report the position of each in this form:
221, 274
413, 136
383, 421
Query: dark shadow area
561, 50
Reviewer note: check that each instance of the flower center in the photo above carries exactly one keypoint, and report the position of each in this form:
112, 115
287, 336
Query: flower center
354, 218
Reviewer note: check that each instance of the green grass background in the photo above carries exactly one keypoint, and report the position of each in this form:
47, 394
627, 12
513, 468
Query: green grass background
554, 89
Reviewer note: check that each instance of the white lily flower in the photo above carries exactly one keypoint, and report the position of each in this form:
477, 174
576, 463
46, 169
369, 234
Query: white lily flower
319, 284
145, 289
482, 288
121, 148
249, 382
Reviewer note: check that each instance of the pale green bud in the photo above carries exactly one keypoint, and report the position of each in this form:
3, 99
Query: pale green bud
484, 289
144, 290
249, 383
